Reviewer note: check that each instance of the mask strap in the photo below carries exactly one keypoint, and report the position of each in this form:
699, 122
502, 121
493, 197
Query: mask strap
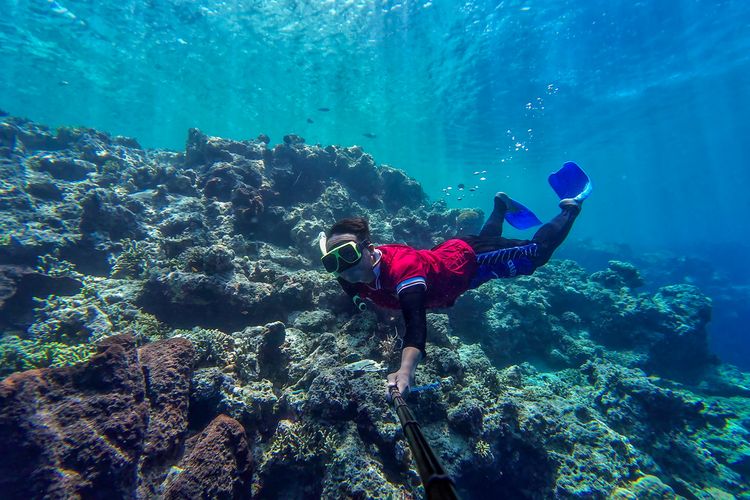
322, 240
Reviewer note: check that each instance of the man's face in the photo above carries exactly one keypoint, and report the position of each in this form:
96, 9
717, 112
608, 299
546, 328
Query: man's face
362, 271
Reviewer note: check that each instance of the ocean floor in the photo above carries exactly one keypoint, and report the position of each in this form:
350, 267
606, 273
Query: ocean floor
168, 331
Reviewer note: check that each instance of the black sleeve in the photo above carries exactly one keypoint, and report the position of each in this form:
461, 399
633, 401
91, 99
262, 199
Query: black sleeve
412, 300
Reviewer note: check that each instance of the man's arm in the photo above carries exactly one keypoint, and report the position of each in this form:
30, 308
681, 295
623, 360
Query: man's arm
412, 301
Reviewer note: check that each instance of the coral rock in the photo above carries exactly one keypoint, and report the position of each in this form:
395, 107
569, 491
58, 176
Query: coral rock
218, 465
167, 365
19, 284
75, 431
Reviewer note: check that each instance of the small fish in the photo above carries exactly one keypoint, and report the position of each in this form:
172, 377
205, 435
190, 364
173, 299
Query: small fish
364, 365
63, 83
324, 109
459, 198
472, 189
483, 178
476, 172
309, 120
370, 135
460, 186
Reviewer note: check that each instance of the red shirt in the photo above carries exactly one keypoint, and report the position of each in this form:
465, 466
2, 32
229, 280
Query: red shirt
446, 271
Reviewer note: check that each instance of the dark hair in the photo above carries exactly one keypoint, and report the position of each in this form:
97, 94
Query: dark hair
358, 226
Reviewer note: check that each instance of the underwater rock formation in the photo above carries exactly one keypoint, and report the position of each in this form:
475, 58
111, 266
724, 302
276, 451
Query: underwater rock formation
218, 465
18, 284
75, 431
564, 316
568, 383
111, 426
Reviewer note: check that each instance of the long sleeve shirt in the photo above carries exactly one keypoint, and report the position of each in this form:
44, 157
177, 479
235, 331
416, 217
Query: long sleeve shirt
416, 280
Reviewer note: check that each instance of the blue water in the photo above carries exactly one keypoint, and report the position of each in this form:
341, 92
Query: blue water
651, 98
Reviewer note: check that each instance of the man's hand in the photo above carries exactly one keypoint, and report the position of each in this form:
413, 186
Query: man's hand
404, 377
402, 380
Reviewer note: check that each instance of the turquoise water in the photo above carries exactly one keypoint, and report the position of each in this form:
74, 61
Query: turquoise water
651, 98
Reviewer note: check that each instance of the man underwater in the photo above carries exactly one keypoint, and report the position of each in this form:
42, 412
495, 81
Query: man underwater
396, 276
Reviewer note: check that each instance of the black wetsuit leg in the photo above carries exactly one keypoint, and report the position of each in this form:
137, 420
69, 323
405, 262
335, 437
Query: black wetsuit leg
494, 224
552, 234
500, 257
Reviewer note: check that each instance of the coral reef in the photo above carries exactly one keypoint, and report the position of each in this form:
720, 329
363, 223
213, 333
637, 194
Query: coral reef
218, 465
561, 316
111, 427
567, 383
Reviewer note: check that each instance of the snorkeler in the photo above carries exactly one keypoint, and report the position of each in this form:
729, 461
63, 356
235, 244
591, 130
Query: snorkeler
396, 276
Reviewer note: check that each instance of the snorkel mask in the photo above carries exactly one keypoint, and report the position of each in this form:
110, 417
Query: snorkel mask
343, 256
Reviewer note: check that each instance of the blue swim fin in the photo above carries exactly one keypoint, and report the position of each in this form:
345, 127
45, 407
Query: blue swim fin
571, 182
521, 217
